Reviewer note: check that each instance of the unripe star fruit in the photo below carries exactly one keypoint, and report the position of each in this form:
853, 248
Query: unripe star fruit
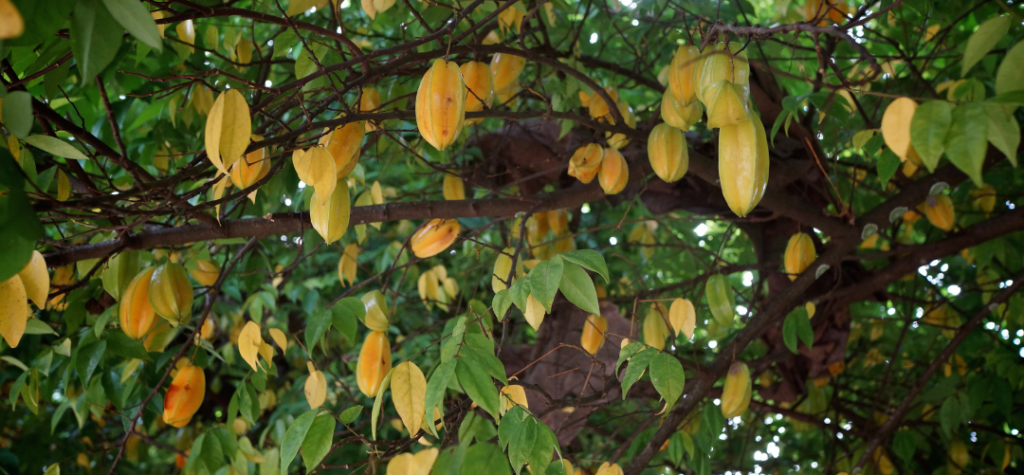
170, 293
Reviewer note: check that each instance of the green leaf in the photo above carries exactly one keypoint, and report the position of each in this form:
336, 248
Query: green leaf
928, 131
521, 445
903, 445
37, 327
983, 40
451, 345
88, 358
968, 140
635, 369
346, 315
490, 363
949, 415
888, 163
120, 271
17, 114
435, 390
53, 145
350, 415
95, 38
1003, 130
1011, 70
797, 327
304, 65
668, 377
520, 290
135, 18
449, 460
544, 279
120, 344
478, 385
486, 459
627, 352
377, 401
578, 288
293, 438
316, 326
501, 303
588, 259
317, 443
543, 448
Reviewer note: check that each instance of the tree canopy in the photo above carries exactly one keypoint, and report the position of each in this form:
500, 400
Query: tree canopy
571, 237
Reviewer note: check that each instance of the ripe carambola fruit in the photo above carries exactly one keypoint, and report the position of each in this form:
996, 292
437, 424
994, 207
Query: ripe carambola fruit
614, 174
536, 227
799, 254
680, 75
736, 391
502, 266
183, 398
250, 169
728, 104
505, 70
678, 114
441, 104
453, 188
984, 198
720, 299
369, 102
345, 144
374, 363
558, 220
479, 87
594, 330
655, 329
170, 293
668, 153
136, 313
330, 216
586, 162
599, 108
206, 271
941, 214
743, 164
434, 237
721, 64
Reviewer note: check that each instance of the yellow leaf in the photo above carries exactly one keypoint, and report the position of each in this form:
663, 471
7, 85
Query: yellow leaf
427, 285
323, 173
811, 308
280, 338
896, 126
36, 279
316, 387
409, 464
862, 137
608, 468
409, 393
228, 130
244, 51
296, 7
11, 26
13, 310
249, 341
267, 352
376, 193
63, 186
347, 265
549, 9
931, 32
14, 147
683, 317
301, 160
187, 33
55, 468
218, 193
534, 312
511, 396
